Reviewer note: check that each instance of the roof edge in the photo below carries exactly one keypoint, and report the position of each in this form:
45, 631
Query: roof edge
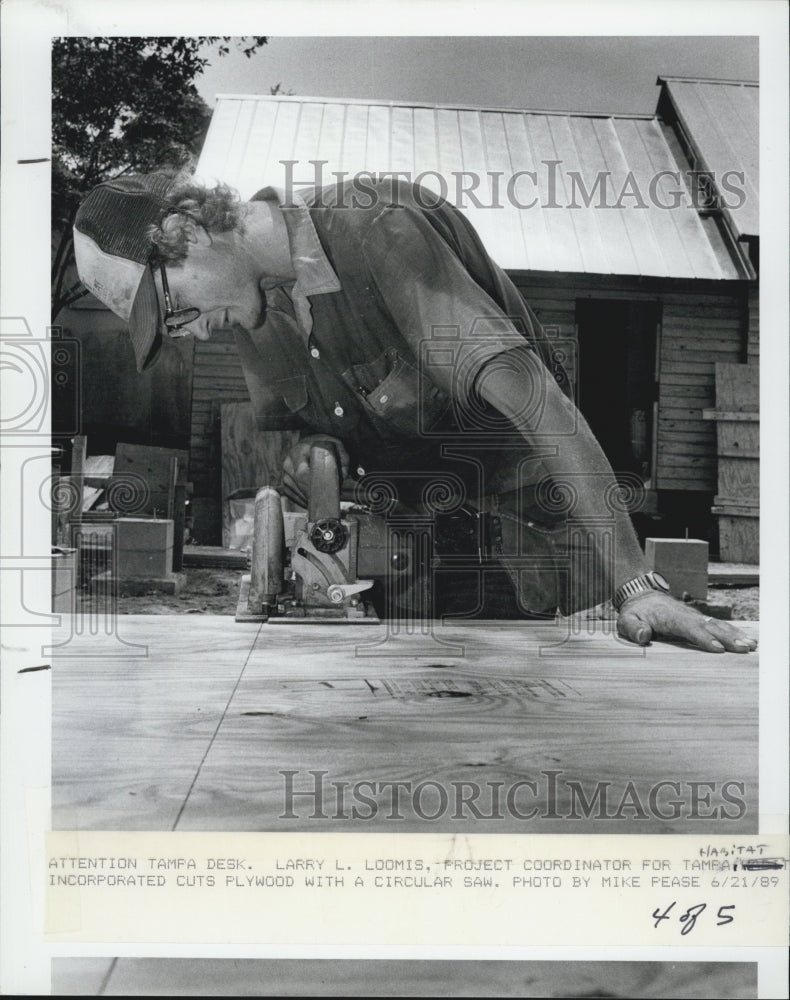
295, 98
702, 79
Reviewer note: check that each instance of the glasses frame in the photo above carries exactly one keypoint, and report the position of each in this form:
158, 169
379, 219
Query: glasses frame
175, 319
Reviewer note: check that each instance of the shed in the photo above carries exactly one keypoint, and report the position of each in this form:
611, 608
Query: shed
717, 124
643, 273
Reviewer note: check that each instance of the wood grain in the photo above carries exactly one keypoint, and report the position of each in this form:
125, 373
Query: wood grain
196, 733
250, 458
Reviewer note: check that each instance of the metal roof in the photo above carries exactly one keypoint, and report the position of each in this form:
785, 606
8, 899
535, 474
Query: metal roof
569, 228
720, 119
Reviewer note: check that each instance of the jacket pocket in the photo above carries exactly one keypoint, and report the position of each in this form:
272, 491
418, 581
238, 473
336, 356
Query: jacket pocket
294, 392
394, 393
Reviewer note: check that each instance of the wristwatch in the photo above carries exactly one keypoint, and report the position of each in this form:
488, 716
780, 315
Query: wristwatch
639, 585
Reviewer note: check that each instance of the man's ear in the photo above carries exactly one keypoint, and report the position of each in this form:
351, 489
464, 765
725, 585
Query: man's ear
194, 233
191, 230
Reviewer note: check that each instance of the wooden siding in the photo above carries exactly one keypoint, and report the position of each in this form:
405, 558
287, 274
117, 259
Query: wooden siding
218, 378
753, 341
697, 332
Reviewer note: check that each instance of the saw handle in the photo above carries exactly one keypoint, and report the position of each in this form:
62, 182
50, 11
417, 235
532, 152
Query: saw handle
324, 497
268, 550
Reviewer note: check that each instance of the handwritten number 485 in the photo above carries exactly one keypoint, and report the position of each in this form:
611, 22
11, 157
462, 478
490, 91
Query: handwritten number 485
689, 918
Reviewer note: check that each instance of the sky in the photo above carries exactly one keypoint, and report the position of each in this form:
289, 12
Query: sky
603, 74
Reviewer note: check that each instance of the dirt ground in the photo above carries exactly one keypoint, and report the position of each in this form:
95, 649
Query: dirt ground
216, 591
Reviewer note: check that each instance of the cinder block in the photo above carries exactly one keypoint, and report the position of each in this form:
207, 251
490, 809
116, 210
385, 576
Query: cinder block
684, 563
64, 578
144, 546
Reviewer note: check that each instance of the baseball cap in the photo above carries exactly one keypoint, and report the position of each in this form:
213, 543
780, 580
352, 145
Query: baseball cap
112, 250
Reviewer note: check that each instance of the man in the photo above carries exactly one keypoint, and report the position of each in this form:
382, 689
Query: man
374, 315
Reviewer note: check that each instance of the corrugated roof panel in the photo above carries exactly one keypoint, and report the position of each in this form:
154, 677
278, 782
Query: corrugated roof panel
355, 144
609, 249
252, 174
645, 152
585, 223
721, 122
546, 162
507, 224
628, 198
563, 246
518, 192
238, 147
378, 138
330, 141
684, 248
475, 186
636, 193
217, 140
305, 140
402, 145
283, 146
426, 150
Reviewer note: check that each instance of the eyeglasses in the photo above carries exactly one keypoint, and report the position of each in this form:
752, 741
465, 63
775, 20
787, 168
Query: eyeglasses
175, 319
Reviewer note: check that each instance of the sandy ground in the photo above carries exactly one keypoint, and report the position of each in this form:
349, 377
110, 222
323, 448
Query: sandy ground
215, 592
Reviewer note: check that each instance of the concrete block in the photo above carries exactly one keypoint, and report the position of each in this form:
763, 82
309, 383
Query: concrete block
144, 547
684, 563
64, 580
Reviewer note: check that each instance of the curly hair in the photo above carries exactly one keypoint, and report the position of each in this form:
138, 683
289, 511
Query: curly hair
217, 209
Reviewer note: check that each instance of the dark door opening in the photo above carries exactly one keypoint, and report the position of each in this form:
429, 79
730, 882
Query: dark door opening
616, 379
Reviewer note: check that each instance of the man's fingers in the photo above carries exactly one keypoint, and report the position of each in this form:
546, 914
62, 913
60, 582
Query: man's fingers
699, 635
733, 640
630, 626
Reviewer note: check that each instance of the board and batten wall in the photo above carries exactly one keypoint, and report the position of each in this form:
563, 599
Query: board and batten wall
701, 323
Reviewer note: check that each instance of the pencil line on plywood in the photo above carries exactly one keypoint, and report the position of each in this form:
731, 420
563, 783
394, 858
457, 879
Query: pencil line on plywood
216, 730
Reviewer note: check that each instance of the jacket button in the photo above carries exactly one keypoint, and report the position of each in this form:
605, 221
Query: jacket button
360, 471
338, 410
384, 399
314, 352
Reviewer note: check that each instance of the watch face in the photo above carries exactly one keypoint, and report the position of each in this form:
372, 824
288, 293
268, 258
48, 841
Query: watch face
659, 581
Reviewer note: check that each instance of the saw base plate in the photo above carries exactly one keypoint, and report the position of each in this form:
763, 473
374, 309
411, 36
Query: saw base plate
312, 616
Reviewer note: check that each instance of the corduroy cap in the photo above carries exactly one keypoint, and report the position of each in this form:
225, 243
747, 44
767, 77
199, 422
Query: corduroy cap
112, 251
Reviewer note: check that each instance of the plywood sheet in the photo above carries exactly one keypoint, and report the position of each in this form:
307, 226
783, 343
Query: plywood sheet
197, 733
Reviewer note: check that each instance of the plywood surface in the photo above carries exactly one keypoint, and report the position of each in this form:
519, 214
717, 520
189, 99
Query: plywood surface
195, 735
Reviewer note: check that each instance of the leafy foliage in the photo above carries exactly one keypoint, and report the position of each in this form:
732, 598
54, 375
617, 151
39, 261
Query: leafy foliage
121, 105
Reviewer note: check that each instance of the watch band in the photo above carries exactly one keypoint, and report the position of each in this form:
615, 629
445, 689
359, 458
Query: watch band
639, 585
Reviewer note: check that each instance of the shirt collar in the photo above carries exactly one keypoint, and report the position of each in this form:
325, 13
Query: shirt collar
314, 274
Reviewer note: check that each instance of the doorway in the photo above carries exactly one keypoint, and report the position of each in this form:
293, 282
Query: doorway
616, 387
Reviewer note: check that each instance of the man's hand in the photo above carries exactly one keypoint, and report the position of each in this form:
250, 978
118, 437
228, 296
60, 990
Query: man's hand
646, 615
296, 465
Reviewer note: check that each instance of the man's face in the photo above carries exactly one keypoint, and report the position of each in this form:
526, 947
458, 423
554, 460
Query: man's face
220, 280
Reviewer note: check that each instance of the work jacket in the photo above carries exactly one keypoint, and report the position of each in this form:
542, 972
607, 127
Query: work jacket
396, 309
